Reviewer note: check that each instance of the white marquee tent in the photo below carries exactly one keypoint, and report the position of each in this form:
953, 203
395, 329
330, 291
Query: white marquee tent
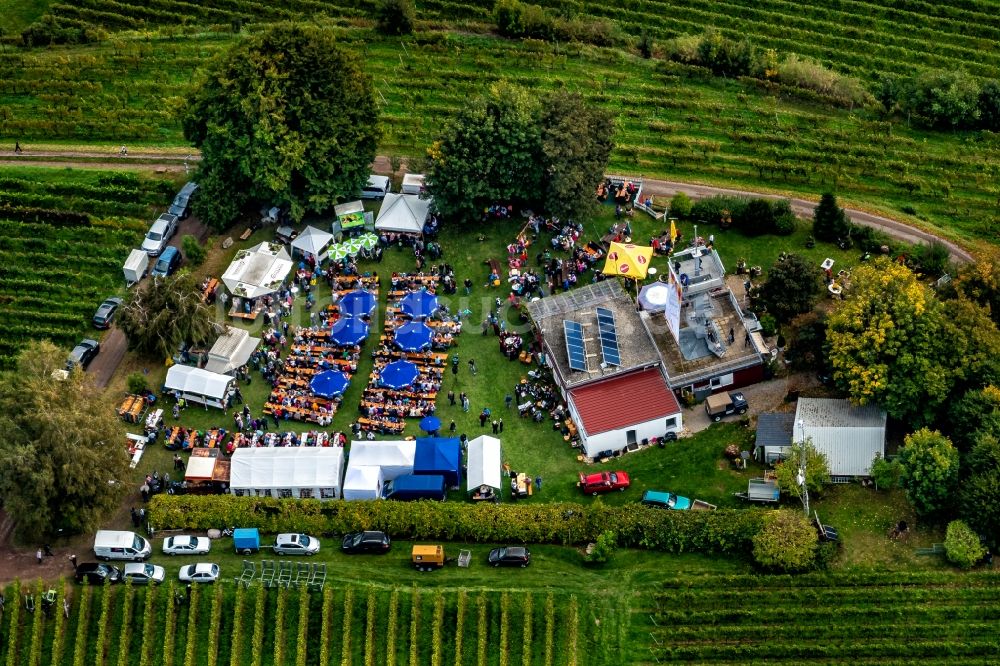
395, 458
484, 468
287, 471
313, 241
404, 213
197, 385
258, 271
363, 482
231, 351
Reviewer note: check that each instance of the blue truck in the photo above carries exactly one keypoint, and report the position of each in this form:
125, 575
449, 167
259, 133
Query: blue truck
414, 487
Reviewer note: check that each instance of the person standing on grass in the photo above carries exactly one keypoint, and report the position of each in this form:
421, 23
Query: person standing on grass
451, 398
38, 555
452, 427
18, 151
483, 416
472, 366
501, 425
466, 403
508, 400
496, 426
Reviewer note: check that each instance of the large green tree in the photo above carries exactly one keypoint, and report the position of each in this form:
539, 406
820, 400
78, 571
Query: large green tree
285, 117
930, 467
507, 147
792, 288
62, 452
163, 313
576, 145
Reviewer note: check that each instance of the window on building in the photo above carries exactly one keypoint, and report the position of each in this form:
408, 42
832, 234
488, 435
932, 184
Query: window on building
284, 493
305, 493
327, 493
671, 423
238, 492
264, 493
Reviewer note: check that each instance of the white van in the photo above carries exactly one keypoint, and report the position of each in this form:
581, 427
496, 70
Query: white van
377, 187
115, 545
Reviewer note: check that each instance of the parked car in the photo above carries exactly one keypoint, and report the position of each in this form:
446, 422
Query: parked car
159, 234
511, 556
119, 545
724, 404
96, 573
83, 354
295, 544
376, 187
181, 206
661, 499
167, 263
203, 572
143, 574
603, 482
366, 542
106, 312
186, 545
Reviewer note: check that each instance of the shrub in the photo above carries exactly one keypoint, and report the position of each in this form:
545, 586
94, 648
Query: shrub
558, 523
810, 75
645, 44
193, 250
756, 218
137, 383
784, 218
603, 549
885, 473
680, 205
714, 209
944, 100
787, 542
395, 17
962, 546
768, 325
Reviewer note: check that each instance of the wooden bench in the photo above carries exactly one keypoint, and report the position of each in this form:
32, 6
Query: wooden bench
247, 316
209, 290
246, 234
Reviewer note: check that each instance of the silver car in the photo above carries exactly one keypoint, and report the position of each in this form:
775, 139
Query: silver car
143, 574
295, 544
203, 572
186, 545
159, 234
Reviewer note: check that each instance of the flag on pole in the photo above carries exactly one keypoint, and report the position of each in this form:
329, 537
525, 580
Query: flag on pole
673, 232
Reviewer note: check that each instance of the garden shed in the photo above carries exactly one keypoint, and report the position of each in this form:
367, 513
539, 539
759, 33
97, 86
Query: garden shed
441, 456
403, 213
484, 464
231, 350
774, 436
287, 471
850, 436
395, 458
196, 385
363, 482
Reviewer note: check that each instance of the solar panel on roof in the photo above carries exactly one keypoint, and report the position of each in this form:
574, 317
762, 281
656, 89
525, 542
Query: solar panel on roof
575, 349
609, 336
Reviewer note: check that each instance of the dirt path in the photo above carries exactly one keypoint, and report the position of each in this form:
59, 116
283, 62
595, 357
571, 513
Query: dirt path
113, 346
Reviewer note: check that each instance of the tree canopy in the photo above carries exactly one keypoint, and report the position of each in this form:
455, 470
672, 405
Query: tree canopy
286, 117
830, 223
886, 345
787, 542
792, 288
817, 469
930, 471
508, 147
63, 452
163, 313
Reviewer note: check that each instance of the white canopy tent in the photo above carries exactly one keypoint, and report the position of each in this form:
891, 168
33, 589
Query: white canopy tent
403, 213
395, 458
287, 471
313, 241
484, 465
258, 271
363, 482
231, 351
197, 385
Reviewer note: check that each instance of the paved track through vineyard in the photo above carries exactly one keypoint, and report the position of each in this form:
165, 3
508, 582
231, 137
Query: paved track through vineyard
176, 162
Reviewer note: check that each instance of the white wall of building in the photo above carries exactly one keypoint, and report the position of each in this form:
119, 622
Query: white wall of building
616, 440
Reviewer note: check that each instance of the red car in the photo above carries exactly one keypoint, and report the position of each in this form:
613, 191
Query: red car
603, 482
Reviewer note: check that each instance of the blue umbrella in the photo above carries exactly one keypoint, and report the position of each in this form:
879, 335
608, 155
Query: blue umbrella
358, 303
419, 304
430, 424
348, 331
329, 384
399, 374
414, 336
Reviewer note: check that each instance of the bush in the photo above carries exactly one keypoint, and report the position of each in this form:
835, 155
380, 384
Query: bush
756, 218
137, 383
603, 549
944, 100
645, 44
713, 209
680, 205
395, 17
962, 546
886, 474
788, 542
784, 218
559, 523
768, 325
811, 75
193, 250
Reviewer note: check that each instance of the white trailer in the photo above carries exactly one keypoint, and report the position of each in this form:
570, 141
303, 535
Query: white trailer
135, 267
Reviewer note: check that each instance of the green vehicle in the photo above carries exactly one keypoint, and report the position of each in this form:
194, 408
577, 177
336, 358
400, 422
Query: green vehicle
661, 499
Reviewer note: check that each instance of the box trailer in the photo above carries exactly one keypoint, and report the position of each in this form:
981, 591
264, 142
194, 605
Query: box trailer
135, 267
761, 490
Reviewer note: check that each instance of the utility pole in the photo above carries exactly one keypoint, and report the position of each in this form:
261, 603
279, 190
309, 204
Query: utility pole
800, 478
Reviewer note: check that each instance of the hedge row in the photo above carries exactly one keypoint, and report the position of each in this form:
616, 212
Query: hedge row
561, 523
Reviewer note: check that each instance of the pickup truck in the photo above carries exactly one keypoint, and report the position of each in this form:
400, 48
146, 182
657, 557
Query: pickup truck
659, 499
724, 404
603, 482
